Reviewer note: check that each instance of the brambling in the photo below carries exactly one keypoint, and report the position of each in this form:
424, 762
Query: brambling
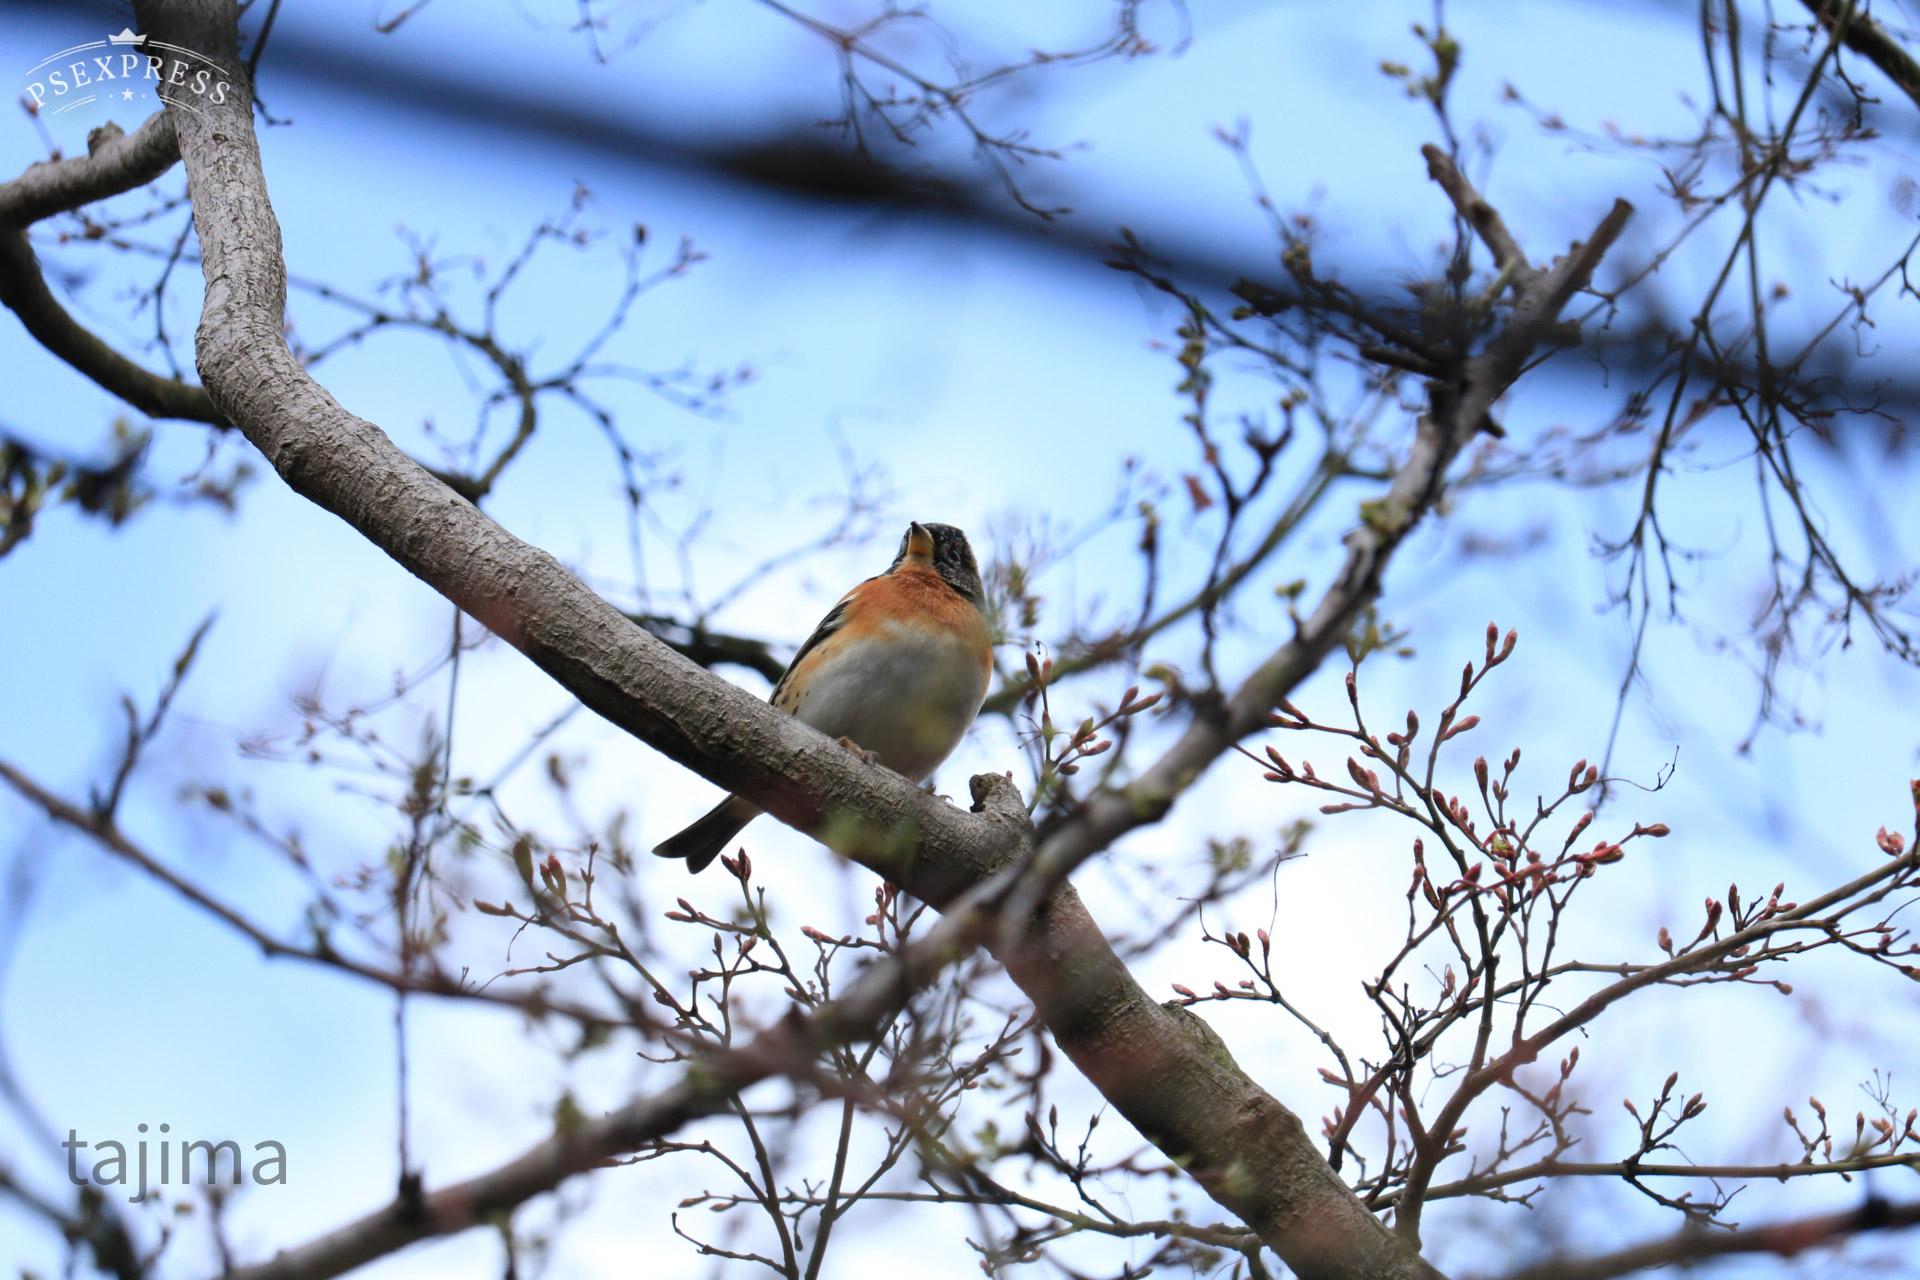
897, 669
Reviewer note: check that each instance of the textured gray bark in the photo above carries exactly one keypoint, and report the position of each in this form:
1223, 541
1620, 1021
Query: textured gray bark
115, 162
1163, 1069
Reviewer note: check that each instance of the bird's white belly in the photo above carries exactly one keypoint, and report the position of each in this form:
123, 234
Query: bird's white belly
908, 698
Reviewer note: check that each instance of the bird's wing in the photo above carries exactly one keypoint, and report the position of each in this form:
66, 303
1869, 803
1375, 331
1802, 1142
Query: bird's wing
835, 619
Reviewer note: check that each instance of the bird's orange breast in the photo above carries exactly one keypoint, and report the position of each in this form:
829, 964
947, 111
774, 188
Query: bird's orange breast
914, 597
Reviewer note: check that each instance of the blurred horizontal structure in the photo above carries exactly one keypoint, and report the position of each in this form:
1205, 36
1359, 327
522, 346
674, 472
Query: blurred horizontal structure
794, 158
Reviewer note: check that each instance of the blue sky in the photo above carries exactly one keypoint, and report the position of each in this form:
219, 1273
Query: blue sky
991, 379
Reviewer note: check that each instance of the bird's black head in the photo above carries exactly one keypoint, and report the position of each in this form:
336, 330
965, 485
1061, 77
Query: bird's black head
945, 550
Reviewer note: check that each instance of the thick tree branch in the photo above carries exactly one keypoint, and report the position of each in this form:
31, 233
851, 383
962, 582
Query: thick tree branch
419, 1216
23, 290
1164, 1070
1866, 37
116, 162
713, 648
1460, 403
120, 162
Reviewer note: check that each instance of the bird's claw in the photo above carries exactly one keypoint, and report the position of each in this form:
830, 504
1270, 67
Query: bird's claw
868, 757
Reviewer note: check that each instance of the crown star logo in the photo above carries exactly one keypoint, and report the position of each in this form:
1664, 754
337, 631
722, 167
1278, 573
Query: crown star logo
127, 36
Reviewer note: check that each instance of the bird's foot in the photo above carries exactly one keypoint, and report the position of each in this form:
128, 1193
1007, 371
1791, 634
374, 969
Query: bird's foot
867, 756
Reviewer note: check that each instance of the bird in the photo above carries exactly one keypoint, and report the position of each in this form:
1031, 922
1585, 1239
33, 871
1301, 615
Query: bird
897, 670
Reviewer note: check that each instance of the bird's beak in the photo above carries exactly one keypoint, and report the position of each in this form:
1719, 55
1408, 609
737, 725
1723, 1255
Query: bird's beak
919, 542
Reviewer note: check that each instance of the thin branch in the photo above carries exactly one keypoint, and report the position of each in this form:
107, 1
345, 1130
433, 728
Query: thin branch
350, 467
1866, 37
105, 832
1699, 1244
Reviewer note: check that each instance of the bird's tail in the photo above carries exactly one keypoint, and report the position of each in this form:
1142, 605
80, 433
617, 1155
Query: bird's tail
702, 842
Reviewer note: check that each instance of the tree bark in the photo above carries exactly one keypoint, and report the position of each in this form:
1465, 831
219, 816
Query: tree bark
1163, 1069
